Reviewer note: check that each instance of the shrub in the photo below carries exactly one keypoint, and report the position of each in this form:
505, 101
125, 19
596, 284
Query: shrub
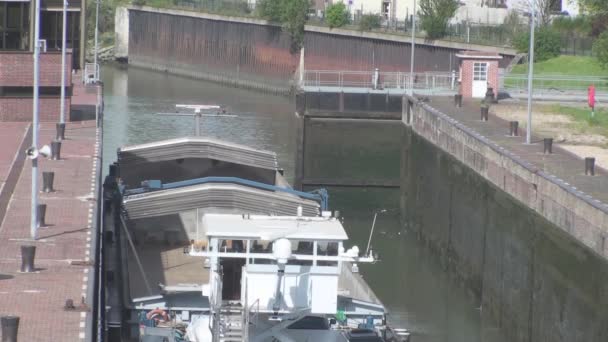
336, 15
369, 22
139, 2
270, 9
547, 44
435, 16
600, 49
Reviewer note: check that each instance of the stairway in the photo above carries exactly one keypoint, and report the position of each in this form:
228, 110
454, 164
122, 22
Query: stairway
231, 322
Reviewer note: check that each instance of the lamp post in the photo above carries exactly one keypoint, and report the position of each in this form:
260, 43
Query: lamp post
63, 47
530, 72
412, 46
34, 213
96, 33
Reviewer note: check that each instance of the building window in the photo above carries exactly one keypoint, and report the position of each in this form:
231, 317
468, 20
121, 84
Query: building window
51, 23
14, 25
480, 71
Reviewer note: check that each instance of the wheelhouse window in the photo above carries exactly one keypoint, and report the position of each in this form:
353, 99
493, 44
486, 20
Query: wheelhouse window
14, 25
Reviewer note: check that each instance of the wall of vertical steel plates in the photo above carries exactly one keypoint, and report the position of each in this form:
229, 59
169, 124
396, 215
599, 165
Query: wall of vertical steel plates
226, 51
248, 54
336, 52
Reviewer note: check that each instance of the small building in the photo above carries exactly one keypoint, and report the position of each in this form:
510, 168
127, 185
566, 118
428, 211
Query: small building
16, 50
478, 72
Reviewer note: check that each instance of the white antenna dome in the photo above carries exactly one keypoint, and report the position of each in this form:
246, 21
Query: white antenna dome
281, 250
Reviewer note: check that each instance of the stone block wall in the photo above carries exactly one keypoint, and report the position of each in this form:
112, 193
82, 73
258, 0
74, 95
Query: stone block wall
529, 249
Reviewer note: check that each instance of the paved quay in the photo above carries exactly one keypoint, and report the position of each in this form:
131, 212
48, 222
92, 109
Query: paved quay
65, 246
564, 165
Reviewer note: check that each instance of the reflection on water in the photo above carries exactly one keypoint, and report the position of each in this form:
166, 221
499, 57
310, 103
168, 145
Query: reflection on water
409, 280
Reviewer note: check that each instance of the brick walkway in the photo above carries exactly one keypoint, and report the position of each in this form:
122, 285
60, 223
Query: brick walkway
563, 164
11, 136
38, 298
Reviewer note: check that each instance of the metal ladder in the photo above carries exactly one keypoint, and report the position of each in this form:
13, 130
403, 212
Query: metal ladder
231, 322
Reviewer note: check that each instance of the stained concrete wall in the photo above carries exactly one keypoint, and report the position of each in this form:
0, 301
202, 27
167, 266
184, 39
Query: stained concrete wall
539, 282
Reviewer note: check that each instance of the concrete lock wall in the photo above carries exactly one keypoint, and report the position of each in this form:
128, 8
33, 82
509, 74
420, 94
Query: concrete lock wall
348, 139
539, 282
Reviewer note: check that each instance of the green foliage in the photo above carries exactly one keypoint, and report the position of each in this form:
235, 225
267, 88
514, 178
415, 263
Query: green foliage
295, 15
139, 2
435, 15
369, 22
270, 9
594, 6
547, 43
600, 49
579, 25
565, 65
336, 15
292, 14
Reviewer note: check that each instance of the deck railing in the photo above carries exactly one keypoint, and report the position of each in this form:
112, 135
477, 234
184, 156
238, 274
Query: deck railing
378, 80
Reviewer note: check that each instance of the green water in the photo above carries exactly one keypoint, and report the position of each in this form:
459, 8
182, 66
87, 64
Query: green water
409, 280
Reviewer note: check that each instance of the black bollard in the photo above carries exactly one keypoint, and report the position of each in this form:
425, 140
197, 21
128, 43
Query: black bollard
513, 126
56, 150
484, 114
590, 166
60, 131
41, 215
47, 181
458, 100
28, 253
548, 143
10, 328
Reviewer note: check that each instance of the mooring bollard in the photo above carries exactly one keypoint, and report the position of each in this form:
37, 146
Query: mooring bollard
484, 113
548, 145
590, 166
47, 181
60, 131
458, 100
513, 127
28, 253
10, 328
40, 220
55, 150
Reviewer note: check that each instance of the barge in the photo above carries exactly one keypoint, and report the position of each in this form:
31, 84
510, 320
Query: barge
206, 241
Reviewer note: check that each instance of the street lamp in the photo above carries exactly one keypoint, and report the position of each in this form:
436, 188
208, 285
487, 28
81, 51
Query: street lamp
413, 46
35, 119
530, 72
63, 47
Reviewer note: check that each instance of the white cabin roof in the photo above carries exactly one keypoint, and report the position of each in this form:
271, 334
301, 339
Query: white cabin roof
274, 227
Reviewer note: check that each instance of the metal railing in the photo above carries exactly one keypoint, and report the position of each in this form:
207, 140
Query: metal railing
91, 73
555, 85
378, 80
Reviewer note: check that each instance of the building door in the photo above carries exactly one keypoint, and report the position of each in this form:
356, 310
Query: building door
480, 79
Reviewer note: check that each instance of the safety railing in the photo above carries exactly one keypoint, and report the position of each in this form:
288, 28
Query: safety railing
378, 80
91, 73
554, 85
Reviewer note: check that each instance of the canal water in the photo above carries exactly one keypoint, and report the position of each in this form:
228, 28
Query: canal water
420, 295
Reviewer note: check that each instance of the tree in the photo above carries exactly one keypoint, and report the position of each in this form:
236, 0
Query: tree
291, 14
294, 17
547, 43
600, 49
435, 16
336, 15
270, 9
